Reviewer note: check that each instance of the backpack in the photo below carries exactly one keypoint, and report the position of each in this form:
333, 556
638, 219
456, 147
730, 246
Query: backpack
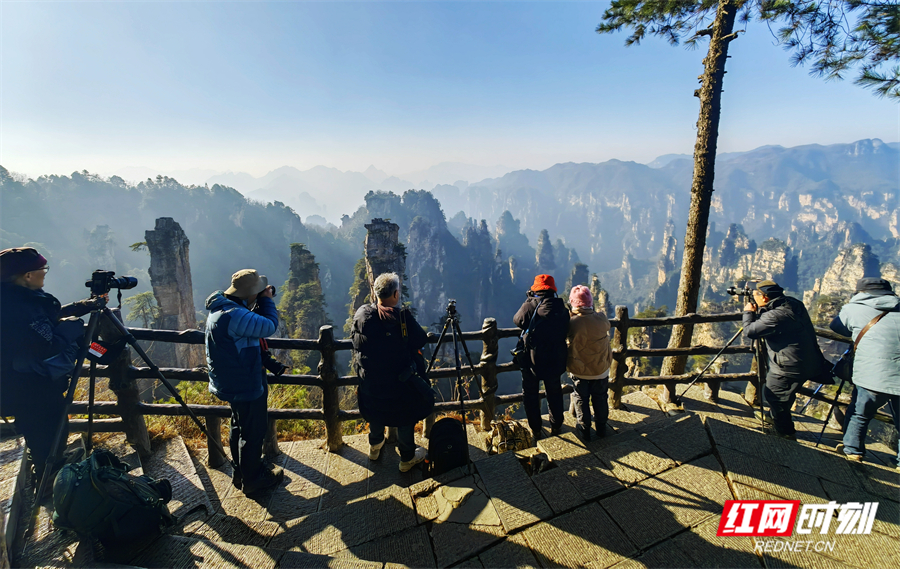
509, 436
447, 446
97, 497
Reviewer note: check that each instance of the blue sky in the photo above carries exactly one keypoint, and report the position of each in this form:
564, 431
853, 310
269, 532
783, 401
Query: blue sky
254, 86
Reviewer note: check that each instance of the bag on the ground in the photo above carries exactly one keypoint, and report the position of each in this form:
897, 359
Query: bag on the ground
509, 436
447, 446
97, 497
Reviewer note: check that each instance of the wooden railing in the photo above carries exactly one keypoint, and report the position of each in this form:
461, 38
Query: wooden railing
131, 410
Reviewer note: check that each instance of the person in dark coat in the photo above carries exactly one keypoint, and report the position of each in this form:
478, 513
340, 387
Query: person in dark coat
39, 341
239, 318
793, 352
547, 352
387, 340
876, 363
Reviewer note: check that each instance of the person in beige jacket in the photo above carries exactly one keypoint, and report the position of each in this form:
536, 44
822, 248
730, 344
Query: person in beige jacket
588, 361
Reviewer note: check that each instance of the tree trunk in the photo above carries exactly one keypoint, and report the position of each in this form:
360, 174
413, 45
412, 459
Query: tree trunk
710, 94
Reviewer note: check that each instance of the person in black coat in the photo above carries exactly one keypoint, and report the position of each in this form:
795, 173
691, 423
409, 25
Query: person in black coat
39, 342
547, 352
387, 340
793, 352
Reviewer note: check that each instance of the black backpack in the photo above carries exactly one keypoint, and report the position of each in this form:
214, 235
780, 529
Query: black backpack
98, 498
447, 446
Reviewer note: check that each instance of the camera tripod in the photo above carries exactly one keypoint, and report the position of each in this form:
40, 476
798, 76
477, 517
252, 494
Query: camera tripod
452, 324
101, 310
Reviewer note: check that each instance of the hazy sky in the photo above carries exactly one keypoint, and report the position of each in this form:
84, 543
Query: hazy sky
250, 87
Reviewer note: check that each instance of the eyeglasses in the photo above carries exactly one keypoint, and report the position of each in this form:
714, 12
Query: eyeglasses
46, 269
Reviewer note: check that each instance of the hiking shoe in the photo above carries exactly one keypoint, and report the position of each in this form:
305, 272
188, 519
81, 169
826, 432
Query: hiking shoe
584, 433
555, 430
406, 465
851, 457
268, 477
767, 419
785, 437
375, 450
237, 480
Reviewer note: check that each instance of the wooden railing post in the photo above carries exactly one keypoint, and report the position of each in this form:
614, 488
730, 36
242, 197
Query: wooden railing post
488, 365
270, 443
618, 368
126, 390
330, 398
214, 458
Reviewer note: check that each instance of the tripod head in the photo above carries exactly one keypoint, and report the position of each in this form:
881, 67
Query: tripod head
451, 309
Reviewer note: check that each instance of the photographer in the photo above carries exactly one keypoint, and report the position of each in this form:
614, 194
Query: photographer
547, 352
793, 352
236, 373
387, 340
874, 308
39, 341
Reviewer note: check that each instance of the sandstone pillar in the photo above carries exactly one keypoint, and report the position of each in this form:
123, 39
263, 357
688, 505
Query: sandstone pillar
384, 252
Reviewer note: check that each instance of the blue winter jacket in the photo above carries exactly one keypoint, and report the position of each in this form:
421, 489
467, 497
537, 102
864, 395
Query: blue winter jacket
876, 364
233, 354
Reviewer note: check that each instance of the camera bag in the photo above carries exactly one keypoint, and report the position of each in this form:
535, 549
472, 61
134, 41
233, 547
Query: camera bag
98, 498
446, 446
843, 368
524, 343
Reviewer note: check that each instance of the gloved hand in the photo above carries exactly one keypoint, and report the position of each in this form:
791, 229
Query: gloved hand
71, 329
279, 372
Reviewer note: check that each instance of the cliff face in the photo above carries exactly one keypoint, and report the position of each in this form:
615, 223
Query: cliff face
101, 248
170, 275
426, 263
384, 252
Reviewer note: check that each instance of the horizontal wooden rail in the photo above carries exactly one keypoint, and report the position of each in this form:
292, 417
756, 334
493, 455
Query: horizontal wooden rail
687, 378
691, 351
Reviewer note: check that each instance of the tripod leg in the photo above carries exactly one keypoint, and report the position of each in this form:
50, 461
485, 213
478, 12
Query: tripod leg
92, 382
129, 337
468, 358
438, 345
462, 405
830, 411
693, 381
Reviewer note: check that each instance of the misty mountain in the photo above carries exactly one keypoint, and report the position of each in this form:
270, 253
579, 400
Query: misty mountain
189, 177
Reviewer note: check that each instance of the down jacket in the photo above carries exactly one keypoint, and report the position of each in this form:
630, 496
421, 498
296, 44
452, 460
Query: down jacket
790, 338
233, 354
876, 364
589, 352
546, 342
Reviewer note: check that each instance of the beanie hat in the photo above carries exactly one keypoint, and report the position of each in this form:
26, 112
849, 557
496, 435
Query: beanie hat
245, 283
18, 261
580, 297
769, 288
543, 282
874, 286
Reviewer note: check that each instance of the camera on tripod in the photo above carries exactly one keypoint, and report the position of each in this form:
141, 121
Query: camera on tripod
746, 291
451, 307
103, 281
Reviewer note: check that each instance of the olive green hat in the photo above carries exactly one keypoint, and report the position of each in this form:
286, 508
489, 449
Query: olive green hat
247, 282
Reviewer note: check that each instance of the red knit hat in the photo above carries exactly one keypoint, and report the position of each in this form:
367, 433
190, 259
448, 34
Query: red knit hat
543, 282
18, 261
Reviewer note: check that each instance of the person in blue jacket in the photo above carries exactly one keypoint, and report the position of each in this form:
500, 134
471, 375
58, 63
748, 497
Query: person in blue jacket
876, 363
238, 318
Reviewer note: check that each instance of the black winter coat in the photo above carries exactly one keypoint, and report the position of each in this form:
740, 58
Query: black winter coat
790, 338
382, 356
547, 342
36, 351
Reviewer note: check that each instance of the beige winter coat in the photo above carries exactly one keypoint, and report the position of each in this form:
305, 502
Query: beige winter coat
588, 341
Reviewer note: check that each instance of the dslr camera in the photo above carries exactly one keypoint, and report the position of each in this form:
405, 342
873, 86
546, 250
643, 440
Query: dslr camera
746, 291
103, 281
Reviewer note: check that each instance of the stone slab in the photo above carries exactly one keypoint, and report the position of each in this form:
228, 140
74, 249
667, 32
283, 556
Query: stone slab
454, 542
305, 464
299, 560
590, 477
329, 531
231, 530
705, 549
780, 481
880, 480
512, 492
117, 444
789, 559
682, 438
556, 488
562, 447
637, 410
513, 552
666, 555
411, 548
177, 551
216, 481
172, 462
634, 460
347, 473
12, 450
887, 518
661, 507
585, 537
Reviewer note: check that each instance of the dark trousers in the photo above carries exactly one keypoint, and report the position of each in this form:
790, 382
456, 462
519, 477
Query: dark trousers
37, 419
781, 392
406, 439
588, 394
532, 403
249, 421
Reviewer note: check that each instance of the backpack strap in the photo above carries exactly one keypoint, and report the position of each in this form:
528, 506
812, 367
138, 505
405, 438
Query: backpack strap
534, 317
871, 323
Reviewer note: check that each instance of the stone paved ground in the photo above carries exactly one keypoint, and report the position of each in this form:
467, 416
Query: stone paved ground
648, 494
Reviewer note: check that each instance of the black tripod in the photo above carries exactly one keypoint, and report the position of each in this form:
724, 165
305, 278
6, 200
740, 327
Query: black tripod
92, 329
452, 324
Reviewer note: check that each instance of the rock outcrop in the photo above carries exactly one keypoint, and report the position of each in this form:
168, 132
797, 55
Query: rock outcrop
170, 276
101, 248
384, 252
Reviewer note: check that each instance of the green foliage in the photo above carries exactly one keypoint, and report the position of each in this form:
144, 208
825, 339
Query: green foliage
139, 246
143, 308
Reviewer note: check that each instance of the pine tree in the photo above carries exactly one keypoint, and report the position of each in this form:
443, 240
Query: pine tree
143, 308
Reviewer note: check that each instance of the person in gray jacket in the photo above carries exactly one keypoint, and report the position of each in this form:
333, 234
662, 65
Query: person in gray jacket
876, 363
793, 352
